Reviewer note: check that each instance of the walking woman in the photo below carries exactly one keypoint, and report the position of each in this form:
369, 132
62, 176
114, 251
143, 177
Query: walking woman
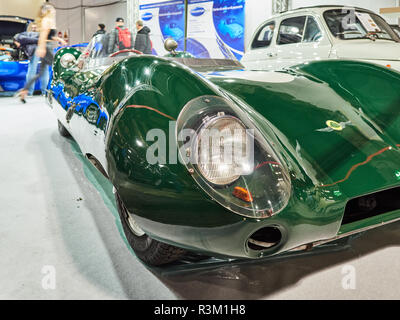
46, 22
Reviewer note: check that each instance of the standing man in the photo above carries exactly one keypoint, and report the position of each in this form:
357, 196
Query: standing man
120, 38
142, 41
100, 30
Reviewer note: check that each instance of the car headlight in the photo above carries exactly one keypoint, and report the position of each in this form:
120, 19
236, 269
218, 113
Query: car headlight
68, 60
213, 150
230, 159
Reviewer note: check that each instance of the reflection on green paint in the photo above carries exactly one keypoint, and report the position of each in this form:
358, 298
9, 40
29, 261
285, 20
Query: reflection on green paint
103, 186
337, 193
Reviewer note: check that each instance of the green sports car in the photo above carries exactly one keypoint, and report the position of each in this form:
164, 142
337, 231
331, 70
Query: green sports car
208, 157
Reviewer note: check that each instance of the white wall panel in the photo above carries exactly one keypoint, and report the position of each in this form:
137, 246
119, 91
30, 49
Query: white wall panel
257, 11
71, 19
106, 15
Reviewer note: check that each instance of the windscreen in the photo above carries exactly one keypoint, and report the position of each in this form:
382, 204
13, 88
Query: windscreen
348, 24
96, 55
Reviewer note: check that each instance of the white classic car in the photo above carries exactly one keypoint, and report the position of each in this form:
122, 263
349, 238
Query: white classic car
320, 33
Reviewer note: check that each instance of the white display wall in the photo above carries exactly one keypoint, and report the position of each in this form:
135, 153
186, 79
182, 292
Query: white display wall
257, 11
71, 20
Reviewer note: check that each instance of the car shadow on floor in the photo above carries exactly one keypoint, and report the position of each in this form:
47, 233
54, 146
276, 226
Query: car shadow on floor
253, 280
261, 279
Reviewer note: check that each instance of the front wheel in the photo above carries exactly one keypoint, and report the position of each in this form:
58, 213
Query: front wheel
147, 249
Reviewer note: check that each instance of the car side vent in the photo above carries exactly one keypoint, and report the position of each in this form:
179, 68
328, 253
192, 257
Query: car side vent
372, 205
264, 239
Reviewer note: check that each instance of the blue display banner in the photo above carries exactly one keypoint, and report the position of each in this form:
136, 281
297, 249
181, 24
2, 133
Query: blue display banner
226, 34
215, 28
166, 19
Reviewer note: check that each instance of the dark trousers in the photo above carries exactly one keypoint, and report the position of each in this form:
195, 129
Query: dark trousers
46, 61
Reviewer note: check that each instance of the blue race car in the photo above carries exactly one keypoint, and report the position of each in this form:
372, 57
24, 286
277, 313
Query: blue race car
13, 62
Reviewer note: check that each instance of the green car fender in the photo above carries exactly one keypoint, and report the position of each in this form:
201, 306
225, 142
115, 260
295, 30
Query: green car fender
164, 197
151, 93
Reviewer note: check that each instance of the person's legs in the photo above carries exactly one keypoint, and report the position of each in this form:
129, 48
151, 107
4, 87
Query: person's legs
44, 80
32, 80
32, 68
46, 61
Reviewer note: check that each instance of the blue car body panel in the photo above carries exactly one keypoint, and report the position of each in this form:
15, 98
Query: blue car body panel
13, 73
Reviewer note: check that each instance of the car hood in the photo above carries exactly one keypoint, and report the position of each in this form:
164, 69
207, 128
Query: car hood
10, 26
368, 50
359, 157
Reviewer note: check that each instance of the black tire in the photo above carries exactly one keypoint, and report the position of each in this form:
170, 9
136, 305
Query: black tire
62, 130
149, 250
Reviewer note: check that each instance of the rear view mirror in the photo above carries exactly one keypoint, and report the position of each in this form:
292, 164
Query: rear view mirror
171, 45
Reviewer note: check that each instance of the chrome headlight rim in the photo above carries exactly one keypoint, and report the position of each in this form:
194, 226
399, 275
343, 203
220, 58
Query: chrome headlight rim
193, 117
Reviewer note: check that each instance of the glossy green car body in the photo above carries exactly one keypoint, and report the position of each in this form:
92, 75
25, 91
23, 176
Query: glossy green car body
334, 124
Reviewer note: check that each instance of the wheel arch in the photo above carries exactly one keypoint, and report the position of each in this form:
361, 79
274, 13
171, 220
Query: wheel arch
152, 92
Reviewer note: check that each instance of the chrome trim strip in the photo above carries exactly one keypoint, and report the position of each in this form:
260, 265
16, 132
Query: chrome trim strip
344, 235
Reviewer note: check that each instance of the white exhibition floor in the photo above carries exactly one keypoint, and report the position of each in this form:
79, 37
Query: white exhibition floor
54, 213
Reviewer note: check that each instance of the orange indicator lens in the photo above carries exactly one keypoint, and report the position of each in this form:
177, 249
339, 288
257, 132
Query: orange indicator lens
242, 194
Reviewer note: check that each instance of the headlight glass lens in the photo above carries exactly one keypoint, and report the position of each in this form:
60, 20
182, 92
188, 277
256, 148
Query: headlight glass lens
215, 145
230, 159
68, 60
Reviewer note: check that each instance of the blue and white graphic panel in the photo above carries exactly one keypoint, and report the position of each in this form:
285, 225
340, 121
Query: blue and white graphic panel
216, 28
166, 19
